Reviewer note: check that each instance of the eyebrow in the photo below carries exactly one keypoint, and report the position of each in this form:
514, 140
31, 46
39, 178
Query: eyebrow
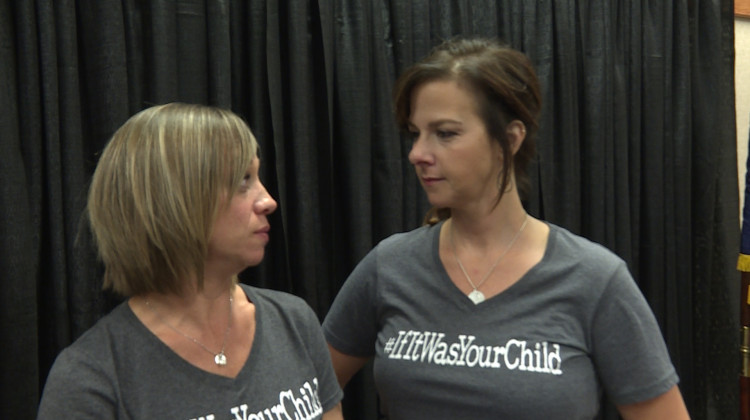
437, 123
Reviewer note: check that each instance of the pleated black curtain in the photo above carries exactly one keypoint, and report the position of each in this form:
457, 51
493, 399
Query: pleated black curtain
636, 151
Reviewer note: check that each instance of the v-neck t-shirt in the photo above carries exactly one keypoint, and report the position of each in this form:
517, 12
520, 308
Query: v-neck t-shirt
574, 327
119, 369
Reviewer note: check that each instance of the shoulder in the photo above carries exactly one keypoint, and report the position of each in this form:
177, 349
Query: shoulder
404, 243
272, 296
581, 267
575, 242
277, 301
576, 249
288, 318
399, 252
104, 332
414, 236
91, 357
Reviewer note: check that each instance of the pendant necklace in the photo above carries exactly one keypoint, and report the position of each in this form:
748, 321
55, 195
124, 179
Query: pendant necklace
476, 296
220, 358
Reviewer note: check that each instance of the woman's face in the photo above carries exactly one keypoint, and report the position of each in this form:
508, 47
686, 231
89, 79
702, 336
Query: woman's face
240, 232
455, 159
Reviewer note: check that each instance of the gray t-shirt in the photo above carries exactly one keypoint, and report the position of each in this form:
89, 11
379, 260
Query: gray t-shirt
573, 327
119, 369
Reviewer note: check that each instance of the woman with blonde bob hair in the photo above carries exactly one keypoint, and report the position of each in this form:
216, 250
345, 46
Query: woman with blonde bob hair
177, 211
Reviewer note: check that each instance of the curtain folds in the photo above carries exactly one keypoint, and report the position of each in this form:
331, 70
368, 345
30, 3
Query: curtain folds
636, 149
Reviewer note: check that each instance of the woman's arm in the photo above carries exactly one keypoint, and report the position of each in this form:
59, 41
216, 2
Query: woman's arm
334, 414
77, 388
668, 405
345, 365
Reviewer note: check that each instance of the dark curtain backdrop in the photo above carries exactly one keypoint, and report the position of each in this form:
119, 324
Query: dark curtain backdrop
636, 151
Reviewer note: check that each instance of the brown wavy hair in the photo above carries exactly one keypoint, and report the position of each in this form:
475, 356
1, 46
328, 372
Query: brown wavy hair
505, 85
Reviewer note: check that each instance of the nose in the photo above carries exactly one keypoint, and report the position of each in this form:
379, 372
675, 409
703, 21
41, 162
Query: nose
265, 204
418, 153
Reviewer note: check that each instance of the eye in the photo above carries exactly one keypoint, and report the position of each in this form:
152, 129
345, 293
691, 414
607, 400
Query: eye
445, 134
245, 182
413, 135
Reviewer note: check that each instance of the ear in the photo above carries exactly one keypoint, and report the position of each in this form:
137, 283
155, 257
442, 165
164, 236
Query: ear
516, 132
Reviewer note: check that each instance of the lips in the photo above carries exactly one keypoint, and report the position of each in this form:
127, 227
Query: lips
263, 233
428, 180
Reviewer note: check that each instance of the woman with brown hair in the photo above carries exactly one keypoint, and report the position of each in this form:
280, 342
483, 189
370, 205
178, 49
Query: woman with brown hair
486, 312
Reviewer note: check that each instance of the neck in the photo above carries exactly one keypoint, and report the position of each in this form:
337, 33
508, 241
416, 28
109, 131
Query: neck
486, 229
207, 307
483, 240
199, 321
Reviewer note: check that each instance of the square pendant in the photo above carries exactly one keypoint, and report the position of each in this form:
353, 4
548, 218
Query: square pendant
220, 359
476, 296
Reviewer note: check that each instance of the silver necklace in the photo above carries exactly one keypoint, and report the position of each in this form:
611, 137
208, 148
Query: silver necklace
220, 358
476, 296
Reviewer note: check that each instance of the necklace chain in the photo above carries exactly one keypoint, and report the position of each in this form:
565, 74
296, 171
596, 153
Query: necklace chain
220, 358
476, 296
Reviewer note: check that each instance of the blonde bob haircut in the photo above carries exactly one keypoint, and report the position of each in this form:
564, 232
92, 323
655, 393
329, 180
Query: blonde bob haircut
156, 191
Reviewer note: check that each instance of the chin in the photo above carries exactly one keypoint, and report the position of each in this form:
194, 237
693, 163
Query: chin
438, 202
255, 260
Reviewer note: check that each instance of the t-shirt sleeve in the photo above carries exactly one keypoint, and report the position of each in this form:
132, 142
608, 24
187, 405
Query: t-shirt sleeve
351, 325
628, 348
77, 388
329, 391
